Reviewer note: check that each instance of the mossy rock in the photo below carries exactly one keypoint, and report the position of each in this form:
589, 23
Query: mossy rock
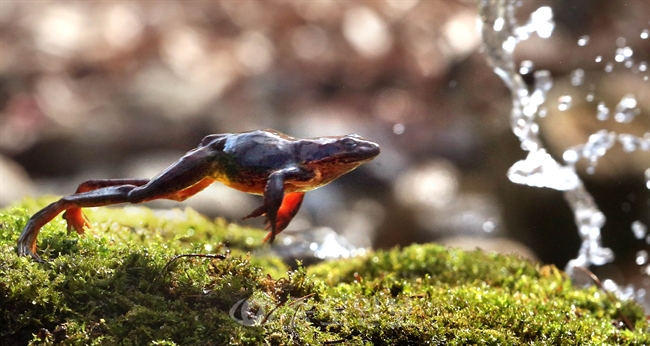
112, 286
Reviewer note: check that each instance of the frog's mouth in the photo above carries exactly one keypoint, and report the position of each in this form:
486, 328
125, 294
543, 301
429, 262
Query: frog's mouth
364, 151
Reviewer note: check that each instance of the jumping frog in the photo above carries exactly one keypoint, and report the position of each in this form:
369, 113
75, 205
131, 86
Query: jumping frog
262, 162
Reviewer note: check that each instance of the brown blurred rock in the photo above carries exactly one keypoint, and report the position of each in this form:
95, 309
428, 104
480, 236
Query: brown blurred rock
14, 182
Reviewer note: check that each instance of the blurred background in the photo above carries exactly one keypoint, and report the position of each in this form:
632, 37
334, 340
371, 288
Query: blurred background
96, 90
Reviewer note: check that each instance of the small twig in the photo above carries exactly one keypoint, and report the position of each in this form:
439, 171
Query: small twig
302, 298
293, 319
611, 297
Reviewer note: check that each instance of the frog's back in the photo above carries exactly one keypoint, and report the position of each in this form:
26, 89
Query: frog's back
247, 159
260, 151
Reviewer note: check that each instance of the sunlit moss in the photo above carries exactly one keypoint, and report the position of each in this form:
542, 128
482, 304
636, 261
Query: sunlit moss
109, 287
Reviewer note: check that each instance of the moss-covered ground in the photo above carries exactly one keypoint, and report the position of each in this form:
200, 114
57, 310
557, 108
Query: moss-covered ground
111, 287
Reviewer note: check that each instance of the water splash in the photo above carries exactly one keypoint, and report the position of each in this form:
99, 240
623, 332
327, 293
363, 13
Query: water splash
632, 143
596, 147
539, 168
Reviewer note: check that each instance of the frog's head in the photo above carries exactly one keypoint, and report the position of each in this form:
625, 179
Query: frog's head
331, 157
350, 149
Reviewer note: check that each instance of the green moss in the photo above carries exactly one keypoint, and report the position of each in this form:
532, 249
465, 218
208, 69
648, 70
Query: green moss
109, 287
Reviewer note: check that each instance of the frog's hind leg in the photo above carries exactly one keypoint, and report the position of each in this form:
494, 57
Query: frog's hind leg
192, 190
184, 178
75, 218
99, 197
78, 221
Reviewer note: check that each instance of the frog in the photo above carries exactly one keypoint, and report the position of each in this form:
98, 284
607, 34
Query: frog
263, 162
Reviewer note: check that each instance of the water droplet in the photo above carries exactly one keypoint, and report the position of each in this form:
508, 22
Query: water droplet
642, 257
599, 58
398, 129
577, 76
590, 97
498, 24
539, 169
597, 145
543, 81
541, 21
644, 142
628, 142
583, 40
621, 41
488, 226
609, 67
525, 67
639, 229
610, 285
602, 111
643, 66
509, 44
570, 156
623, 54
626, 109
600, 256
645, 34
564, 102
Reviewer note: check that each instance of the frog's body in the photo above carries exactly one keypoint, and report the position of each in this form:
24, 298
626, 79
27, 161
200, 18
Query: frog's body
263, 162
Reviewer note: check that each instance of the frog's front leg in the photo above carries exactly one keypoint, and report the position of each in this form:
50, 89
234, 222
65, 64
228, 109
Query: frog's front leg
279, 207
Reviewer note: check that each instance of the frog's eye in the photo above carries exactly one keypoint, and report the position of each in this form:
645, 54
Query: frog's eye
349, 144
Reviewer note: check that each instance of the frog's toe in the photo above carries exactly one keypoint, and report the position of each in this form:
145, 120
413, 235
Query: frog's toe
255, 213
76, 220
25, 248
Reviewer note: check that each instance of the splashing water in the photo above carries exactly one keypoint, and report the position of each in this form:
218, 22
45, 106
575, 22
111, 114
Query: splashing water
539, 168
596, 147
501, 34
